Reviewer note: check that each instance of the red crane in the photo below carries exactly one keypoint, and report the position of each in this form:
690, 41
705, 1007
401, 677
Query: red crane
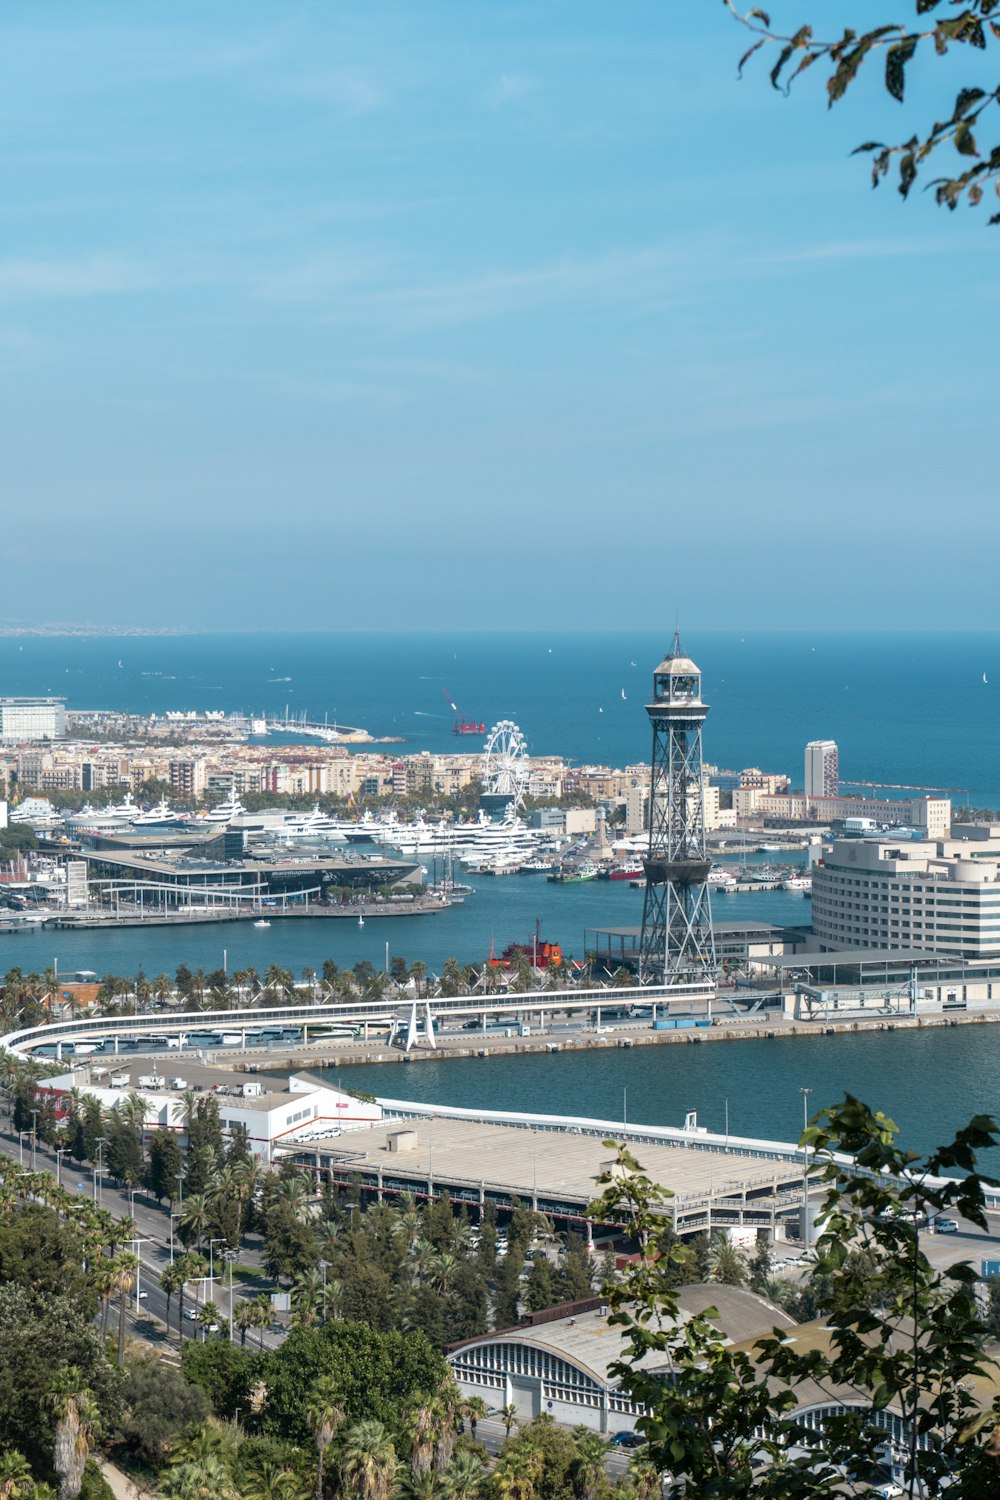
462, 725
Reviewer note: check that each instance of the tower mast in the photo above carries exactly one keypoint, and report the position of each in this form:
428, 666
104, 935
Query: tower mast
677, 945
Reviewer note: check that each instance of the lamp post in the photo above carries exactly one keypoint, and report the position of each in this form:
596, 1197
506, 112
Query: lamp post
172, 1218
137, 1241
20, 1147
102, 1141
60, 1153
180, 1189
34, 1135
230, 1256
219, 1240
805, 1169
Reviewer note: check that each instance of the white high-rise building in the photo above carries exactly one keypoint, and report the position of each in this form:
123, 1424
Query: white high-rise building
822, 769
32, 719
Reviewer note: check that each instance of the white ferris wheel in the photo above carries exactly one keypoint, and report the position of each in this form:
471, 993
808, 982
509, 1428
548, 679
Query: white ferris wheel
505, 762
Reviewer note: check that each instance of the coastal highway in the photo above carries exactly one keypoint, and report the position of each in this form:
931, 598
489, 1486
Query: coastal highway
153, 1228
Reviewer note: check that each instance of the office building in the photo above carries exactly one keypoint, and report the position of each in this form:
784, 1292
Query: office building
31, 719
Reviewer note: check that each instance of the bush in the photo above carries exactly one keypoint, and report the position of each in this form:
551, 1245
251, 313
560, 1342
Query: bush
161, 1406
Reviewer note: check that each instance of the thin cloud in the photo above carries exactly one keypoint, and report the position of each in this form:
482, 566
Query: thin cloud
339, 286
511, 88
97, 276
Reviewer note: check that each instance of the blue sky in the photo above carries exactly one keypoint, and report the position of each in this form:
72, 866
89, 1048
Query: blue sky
364, 314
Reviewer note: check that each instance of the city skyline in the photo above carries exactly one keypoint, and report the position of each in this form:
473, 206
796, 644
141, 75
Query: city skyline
294, 305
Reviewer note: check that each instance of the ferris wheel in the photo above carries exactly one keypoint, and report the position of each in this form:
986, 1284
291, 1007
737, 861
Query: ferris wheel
505, 762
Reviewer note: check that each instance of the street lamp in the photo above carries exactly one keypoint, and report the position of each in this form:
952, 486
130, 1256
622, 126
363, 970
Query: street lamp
172, 1218
180, 1187
102, 1141
20, 1146
220, 1239
60, 1153
230, 1256
34, 1135
137, 1241
805, 1171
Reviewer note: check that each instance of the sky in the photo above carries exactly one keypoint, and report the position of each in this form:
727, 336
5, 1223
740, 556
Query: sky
367, 314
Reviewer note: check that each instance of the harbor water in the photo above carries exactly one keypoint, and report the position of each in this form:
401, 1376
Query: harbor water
892, 702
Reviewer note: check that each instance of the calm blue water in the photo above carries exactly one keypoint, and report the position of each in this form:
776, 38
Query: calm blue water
903, 708
929, 1082
908, 708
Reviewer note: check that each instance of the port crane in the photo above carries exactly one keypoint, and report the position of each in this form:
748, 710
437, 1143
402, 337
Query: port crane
462, 725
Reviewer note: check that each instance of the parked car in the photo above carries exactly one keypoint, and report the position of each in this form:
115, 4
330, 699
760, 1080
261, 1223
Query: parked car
945, 1226
627, 1440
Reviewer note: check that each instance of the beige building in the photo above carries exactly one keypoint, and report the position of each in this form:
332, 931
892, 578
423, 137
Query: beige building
932, 815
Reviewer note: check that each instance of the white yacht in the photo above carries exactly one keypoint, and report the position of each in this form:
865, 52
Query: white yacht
160, 816
311, 825
226, 812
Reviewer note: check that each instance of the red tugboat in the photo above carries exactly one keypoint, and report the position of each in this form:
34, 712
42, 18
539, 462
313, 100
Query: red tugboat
462, 725
538, 953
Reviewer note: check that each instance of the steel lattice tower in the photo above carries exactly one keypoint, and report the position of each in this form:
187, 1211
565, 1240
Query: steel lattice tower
677, 946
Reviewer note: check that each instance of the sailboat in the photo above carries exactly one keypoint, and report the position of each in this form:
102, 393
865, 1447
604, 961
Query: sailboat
986, 679
361, 919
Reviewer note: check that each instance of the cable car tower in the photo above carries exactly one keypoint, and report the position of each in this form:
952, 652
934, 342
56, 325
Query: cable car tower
677, 945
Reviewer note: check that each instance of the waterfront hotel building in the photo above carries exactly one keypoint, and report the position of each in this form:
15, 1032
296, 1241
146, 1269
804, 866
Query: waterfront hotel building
940, 896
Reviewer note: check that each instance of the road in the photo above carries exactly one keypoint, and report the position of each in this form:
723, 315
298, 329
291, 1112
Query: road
153, 1227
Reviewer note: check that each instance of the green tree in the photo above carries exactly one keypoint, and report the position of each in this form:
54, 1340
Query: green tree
165, 1165
160, 1407
954, 144
725, 1420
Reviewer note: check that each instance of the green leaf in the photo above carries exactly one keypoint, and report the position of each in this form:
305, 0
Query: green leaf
965, 141
895, 66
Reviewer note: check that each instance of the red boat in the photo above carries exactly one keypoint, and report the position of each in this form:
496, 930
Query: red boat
463, 725
538, 954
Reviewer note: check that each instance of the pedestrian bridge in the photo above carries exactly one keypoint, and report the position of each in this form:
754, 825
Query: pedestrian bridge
415, 1020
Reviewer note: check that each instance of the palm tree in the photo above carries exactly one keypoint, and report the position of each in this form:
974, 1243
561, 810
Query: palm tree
127, 1270
294, 1194
192, 1269
508, 1416
196, 1216
368, 1461
262, 1315
267, 1481
325, 1415
76, 1418
16, 1479
443, 1270
171, 1281
207, 1478
464, 1475
588, 1467
208, 1317
244, 1319
475, 1408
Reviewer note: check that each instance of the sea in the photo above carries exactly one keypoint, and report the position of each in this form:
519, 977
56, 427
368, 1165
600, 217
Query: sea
918, 710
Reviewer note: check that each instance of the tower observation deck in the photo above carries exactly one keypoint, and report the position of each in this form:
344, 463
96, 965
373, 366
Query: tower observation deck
677, 947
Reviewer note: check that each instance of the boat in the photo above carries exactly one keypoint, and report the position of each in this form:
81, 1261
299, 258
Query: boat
629, 871
361, 919
575, 874
538, 867
262, 923
801, 883
226, 811
160, 816
538, 953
